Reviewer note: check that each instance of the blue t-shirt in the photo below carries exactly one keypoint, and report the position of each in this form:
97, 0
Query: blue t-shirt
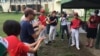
26, 32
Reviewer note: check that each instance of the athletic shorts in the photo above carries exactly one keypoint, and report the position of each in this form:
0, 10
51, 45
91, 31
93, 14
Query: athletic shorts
91, 33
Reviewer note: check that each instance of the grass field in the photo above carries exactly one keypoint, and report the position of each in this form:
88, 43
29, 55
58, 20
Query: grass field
59, 48
8, 16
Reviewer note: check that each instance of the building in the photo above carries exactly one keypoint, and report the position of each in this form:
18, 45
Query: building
12, 5
18, 5
51, 5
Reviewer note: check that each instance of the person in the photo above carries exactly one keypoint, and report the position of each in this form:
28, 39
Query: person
27, 34
42, 18
3, 47
48, 24
53, 23
92, 29
75, 25
14, 46
64, 26
34, 23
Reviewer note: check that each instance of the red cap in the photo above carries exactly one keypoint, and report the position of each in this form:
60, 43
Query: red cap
42, 11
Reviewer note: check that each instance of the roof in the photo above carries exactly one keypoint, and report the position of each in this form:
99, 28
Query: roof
79, 4
64, 1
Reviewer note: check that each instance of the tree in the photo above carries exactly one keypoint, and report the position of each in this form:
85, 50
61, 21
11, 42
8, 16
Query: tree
47, 11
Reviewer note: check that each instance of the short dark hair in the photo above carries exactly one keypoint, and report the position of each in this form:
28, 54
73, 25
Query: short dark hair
65, 15
96, 11
11, 27
28, 11
54, 12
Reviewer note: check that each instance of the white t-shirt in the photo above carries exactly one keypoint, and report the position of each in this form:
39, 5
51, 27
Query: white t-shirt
63, 21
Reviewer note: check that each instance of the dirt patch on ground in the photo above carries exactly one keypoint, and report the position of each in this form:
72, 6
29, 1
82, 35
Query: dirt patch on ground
61, 48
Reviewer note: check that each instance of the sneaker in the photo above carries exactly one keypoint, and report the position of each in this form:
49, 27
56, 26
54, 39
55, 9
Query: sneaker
78, 48
62, 39
46, 43
87, 45
53, 41
49, 42
72, 44
91, 46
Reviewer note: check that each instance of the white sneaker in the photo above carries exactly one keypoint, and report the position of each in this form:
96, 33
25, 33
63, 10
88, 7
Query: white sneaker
62, 39
78, 48
72, 44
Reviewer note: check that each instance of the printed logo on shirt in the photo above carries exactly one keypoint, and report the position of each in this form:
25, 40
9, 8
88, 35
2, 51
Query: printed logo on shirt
4, 42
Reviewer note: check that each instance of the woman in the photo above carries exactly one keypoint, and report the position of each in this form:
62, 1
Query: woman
53, 24
64, 26
92, 29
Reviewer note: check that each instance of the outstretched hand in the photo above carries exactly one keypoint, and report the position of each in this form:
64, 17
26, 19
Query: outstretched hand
41, 27
41, 39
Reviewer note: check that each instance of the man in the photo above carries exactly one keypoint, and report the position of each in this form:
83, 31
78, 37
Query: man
3, 46
74, 30
27, 34
42, 19
53, 24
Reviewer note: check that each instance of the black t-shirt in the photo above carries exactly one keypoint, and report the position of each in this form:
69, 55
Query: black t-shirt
26, 32
52, 19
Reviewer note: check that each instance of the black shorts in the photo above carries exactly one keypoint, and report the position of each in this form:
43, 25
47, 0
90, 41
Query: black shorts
91, 33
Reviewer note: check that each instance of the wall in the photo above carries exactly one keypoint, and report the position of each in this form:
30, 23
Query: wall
54, 5
5, 6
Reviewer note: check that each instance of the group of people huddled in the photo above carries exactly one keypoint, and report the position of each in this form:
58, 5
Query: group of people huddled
33, 31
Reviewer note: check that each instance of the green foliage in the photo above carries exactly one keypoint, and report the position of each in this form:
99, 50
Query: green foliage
8, 16
47, 11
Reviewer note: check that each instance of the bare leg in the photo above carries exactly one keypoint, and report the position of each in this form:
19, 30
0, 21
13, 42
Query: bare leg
91, 42
88, 42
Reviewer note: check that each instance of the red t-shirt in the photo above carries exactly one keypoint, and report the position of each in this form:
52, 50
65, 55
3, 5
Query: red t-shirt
42, 19
94, 24
75, 23
16, 47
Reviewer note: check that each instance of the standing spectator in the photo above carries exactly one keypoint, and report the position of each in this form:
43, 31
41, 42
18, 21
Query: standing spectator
34, 23
27, 34
3, 47
14, 46
48, 24
75, 25
64, 26
53, 24
42, 18
92, 29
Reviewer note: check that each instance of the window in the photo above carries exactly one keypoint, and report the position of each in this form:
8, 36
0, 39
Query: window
3, 1
45, 0
12, 1
24, 0
50, 0
0, 1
